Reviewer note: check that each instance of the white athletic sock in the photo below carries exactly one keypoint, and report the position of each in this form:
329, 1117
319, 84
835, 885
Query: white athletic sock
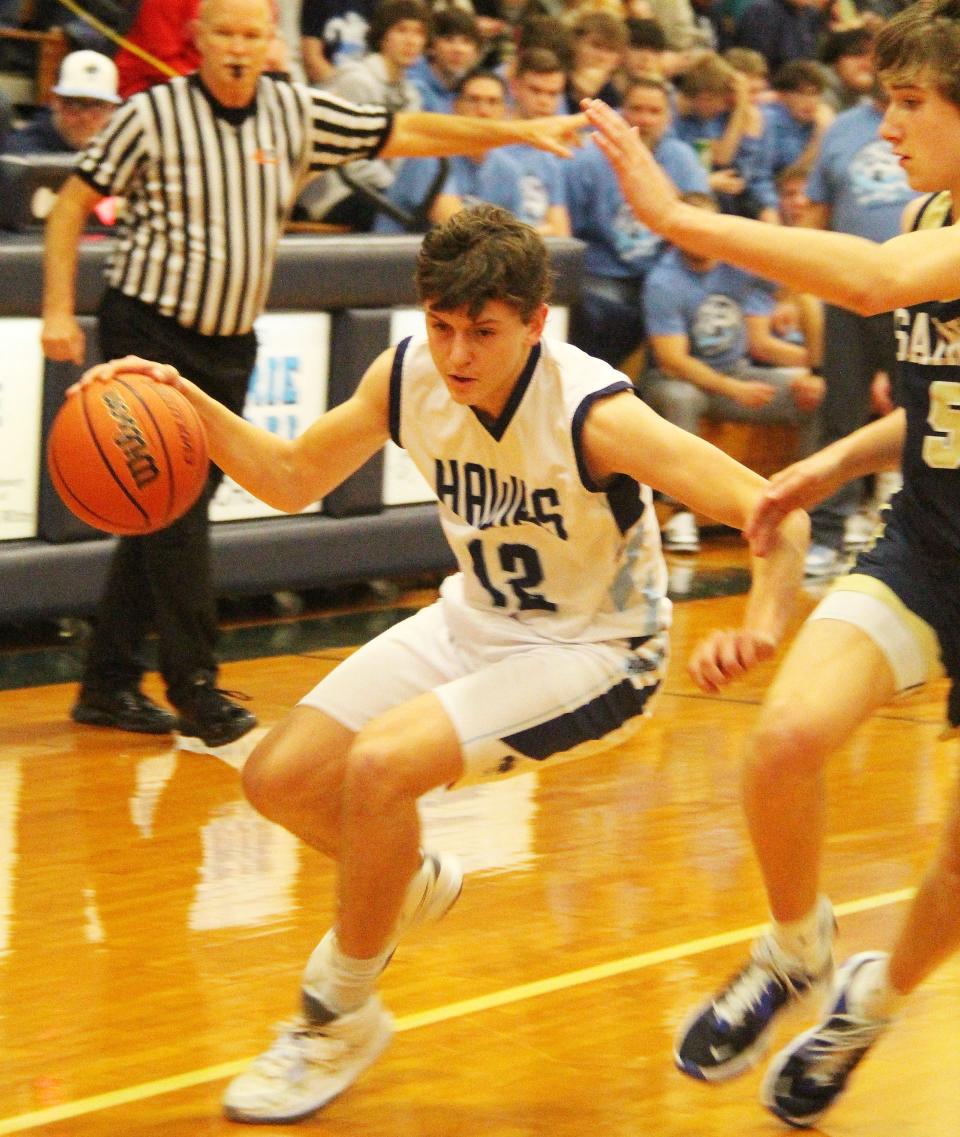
342, 983
339, 982
871, 995
808, 940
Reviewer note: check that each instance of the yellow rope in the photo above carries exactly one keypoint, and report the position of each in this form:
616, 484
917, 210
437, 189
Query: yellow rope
121, 41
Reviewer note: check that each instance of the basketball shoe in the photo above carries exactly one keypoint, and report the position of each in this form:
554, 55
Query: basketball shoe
729, 1033
319, 1054
807, 1076
210, 714
308, 1065
125, 708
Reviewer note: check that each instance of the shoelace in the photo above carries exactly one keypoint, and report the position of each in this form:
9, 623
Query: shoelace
299, 1044
838, 1047
747, 989
240, 696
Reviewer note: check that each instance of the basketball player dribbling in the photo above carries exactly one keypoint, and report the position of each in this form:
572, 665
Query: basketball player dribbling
549, 643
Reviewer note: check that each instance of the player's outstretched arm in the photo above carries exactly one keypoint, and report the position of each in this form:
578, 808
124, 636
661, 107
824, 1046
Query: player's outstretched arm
286, 474
623, 435
853, 272
423, 134
876, 446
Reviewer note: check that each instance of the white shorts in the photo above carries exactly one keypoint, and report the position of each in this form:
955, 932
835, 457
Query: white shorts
907, 642
511, 705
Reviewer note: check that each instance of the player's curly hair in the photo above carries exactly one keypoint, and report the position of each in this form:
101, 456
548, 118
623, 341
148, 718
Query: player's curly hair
924, 38
480, 254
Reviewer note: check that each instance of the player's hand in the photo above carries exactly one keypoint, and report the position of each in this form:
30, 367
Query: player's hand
62, 339
127, 365
725, 655
558, 134
796, 487
648, 190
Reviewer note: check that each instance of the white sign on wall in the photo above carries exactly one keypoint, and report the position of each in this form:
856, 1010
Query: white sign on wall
403, 484
287, 392
21, 394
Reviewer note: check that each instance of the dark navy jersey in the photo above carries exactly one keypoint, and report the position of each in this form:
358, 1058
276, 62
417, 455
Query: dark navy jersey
928, 354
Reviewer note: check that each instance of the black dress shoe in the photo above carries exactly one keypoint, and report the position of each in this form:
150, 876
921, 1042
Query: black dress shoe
125, 708
210, 714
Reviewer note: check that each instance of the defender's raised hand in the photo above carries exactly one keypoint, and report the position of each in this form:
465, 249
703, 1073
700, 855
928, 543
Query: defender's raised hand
645, 185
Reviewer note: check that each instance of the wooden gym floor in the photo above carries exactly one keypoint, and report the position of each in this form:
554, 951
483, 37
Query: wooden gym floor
152, 927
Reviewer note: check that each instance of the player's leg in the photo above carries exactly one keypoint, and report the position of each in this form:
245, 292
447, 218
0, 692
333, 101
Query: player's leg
809, 1074
499, 709
322, 774
833, 677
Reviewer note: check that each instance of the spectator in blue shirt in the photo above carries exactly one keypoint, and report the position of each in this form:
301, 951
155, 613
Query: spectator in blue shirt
715, 356
796, 121
495, 178
453, 50
607, 320
536, 87
716, 114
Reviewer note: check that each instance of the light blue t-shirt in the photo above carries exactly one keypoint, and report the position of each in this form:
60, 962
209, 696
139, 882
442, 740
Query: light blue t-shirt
434, 94
787, 138
495, 179
618, 245
753, 160
857, 175
409, 189
541, 182
707, 307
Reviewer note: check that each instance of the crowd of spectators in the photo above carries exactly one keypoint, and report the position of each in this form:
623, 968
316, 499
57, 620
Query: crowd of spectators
747, 103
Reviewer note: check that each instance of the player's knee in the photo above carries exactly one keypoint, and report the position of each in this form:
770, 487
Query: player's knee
268, 778
786, 745
375, 775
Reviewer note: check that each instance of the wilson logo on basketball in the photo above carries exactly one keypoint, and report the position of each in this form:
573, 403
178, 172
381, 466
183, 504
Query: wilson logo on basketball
140, 462
188, 451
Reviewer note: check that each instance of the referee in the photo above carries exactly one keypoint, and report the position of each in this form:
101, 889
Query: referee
209, 166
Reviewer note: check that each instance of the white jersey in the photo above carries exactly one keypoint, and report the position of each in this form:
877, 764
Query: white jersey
544, 553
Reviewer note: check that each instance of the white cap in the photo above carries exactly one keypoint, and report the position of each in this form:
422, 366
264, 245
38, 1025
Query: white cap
88, 75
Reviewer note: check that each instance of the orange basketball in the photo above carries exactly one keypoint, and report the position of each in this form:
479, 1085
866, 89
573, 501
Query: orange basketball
128, 456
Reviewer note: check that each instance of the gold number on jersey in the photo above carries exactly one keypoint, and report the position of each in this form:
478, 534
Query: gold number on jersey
942, 450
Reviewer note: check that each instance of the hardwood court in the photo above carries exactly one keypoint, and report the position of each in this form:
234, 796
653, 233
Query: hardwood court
152, 927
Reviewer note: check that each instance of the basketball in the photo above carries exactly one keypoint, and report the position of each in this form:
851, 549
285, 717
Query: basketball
128, 456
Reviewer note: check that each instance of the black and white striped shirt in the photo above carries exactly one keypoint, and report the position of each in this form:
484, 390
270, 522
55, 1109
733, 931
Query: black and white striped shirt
207, 190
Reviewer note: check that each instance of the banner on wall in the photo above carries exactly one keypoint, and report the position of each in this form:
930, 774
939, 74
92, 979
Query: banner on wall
403, 484
21, 396
288, 390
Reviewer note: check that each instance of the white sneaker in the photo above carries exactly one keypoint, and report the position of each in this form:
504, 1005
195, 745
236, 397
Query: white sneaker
858, 530
680, 534
308, 1066
431, 894
822, 561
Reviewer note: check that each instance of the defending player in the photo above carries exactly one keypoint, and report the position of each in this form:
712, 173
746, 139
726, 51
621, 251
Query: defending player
549, 643
890, 626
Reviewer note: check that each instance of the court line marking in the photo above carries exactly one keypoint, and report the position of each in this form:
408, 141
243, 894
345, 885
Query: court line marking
461, 1009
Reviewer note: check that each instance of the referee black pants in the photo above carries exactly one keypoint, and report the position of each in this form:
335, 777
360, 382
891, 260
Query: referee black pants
163, 581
